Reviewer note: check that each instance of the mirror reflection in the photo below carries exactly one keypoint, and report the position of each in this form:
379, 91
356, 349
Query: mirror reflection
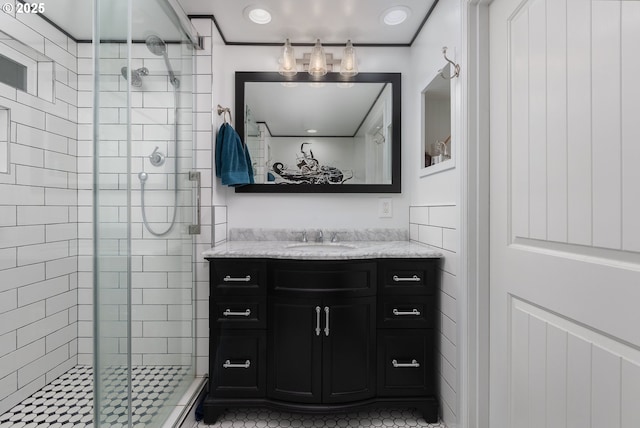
321, 134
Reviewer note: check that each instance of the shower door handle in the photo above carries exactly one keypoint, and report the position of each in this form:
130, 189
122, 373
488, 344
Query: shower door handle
194, 229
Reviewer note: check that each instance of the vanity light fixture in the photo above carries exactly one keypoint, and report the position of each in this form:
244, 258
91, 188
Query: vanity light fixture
349, 64
312, 131
395, 15
288, 60
318, 63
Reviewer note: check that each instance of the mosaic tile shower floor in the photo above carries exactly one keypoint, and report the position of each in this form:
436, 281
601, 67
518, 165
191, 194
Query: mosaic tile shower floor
67, 402
258, 418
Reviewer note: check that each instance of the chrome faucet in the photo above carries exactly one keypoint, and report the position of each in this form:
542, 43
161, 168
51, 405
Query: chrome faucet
320, 236
334, 236
304, 236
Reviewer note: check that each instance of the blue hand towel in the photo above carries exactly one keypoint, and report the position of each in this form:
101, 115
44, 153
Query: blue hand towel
233, 163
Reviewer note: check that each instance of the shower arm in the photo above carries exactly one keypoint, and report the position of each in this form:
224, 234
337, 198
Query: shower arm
172, 76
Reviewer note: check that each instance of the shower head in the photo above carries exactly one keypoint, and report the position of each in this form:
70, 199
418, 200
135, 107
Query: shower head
136, 75
157, 46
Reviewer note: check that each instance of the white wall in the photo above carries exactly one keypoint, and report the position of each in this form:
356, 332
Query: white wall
442, 29
310, 210
435, 198
38, 229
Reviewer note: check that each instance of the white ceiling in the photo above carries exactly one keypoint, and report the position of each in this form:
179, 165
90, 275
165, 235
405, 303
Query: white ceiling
333, 21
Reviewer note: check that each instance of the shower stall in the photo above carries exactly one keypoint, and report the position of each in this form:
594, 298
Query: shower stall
99, 205
143, 302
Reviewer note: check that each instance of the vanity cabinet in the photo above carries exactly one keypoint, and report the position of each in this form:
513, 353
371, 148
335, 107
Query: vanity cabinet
237, 326
406, 330
321, 350
322, 336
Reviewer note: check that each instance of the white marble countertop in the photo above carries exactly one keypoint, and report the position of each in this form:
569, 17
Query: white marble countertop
322, 251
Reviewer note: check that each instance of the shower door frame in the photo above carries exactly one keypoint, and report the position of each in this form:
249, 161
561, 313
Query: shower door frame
196, 41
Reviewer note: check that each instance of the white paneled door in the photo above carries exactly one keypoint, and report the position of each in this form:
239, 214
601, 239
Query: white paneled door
565, 213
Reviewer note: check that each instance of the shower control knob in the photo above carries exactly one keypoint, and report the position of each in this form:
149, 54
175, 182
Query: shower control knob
157, 158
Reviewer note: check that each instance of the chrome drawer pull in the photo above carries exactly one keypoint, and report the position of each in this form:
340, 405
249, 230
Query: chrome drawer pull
230, 279
326, 327
317, 320
398, 365
414, 278
228, 365
412, 312
229, 313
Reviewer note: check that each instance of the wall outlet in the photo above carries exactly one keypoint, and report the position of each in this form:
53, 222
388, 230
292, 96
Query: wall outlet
385, 207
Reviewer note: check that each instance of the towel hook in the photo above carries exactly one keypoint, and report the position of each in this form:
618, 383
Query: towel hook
456, 67
222, 111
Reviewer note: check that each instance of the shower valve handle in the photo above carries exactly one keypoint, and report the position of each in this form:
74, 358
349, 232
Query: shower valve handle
156, 158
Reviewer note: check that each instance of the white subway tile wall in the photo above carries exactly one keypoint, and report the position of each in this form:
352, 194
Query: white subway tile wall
436, 225
38, 222
46, 213
163, 298
203, 138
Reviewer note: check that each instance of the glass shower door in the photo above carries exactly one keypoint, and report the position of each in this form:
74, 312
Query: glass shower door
143, 209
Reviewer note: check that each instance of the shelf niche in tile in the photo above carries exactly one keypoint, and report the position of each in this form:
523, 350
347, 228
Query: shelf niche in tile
437, 145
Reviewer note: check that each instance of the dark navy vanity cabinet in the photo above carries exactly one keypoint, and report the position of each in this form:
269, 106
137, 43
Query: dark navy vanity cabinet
322, 336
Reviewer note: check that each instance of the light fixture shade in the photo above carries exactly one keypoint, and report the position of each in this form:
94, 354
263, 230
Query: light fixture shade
318, 63
288, 60
349, 63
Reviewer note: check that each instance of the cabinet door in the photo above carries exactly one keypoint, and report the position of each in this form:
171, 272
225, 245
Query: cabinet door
349, 350
295, 350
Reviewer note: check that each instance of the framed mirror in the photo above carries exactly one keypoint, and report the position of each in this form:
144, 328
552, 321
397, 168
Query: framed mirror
320, 136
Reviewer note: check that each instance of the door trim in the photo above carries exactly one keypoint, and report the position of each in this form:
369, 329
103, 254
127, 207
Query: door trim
473, 308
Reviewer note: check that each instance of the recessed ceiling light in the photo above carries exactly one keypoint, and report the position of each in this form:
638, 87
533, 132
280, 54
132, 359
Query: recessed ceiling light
312, 131
258, 15
395, 15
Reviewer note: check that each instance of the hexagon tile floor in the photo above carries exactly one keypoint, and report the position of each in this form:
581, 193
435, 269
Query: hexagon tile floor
67, 402
259, 418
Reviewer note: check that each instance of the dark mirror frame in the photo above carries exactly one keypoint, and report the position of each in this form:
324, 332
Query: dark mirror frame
243, 77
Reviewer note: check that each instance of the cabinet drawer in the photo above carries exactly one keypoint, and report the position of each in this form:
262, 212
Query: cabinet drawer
237, 363
409, 277
238, 312
406, 363
398, 311
237, 277
349, 278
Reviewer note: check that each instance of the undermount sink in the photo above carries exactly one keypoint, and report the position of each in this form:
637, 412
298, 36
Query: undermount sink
304, 246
